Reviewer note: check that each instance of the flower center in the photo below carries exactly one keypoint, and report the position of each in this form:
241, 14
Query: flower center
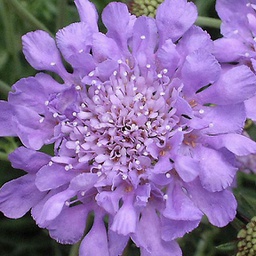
122, 125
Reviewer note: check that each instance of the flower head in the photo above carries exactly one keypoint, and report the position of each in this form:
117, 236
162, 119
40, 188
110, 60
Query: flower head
141, 130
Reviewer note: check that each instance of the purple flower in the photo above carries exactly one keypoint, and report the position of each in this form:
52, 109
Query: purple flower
239, 38
145, 131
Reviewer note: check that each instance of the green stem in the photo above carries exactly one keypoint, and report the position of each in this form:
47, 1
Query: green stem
74, 249
62, 6
26, 15
11, 41
4, 88
3, 157
208, 22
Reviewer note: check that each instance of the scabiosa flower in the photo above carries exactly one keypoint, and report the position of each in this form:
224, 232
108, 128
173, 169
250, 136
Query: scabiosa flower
238, 44
145, 131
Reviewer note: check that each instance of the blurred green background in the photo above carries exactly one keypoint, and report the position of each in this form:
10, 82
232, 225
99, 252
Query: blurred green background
22, 237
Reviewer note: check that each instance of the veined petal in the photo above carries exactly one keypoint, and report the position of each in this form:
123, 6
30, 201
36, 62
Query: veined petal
199, 69
216, 173
229, 49
70, 47
53, 206
194, 39
95, 242
148, 236
236, 143
234, 86
219, 207
125, 220
7, 127
105, 48
168, 56
69, 226
53, 176
87, 13
29, 128
186, 167
179, 206
173, 229
42, 53
174, 18
144, 36
18, 196
116, 18
116, 248
28, 160
218, 118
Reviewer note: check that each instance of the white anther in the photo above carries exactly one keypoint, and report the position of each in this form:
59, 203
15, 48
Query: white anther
137, 162
80, 51
75, 124
180, 129
165, 197
148, 66
110, 120
168, 127
145, 153
74, 114
77, 142
99, 173
94, 81
254, 39
53, 64
124, 177
143, 37
99, 144
211, 125
201, 111
162, 93
96, 98
78, 87
67, 203
125, 73
83, 193
168, 175
138, 146
83, 105
146, 113
165, 70
119, 61
91, 74
88, 134
141, 107
159, 75
68, 167
50, 163
77, 149
133, 77
55, 114
41, 120
46, 103
135, 88
115, 73
247, 54
97, 91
